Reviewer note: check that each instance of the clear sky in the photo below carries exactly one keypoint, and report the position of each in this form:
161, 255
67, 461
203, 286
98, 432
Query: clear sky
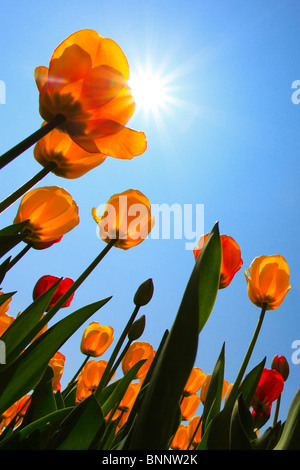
227, 138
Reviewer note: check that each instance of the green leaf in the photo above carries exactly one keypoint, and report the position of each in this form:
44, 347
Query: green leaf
155, 421
290, 438
241, 427
19, 334
213, 398
5, 297
250, 383
10, 237
42, 400
80, 428
34, 436
269, 438
25, 373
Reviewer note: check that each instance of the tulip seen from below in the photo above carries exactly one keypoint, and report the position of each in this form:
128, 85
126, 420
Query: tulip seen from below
51, 212
47, 281
268, 281
86, 83
268, 390
231, 258
96, 339
136, 352
126, 219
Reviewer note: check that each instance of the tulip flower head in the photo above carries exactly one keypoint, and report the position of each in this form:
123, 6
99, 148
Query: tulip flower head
189, 406
71, 161
194, 382
268, 281
57, 363
181, 439
126, 218
86, 83
268, 390
192, 433
136, 352
231, 258
280, 364
51, 213
96, 339
45, 282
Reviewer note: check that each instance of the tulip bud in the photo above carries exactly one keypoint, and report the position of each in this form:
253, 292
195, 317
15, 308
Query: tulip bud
144, 293
280, 364
137, 328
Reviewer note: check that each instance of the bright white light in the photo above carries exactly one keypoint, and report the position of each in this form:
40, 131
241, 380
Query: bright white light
149, 90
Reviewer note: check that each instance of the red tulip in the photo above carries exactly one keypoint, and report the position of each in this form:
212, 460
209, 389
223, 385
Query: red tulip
45, 282
268, 390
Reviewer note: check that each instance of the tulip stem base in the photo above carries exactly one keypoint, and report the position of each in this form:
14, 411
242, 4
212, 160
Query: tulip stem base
23, 189
14, 152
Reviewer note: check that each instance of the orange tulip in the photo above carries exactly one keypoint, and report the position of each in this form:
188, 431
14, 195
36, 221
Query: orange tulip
231, 258
180, 440
5, 306
194, 382
57, 363
71, 160
126, 218
91, 374
87, 83
135, 353
189, 406
5, 321
193, 424
126, 403
17, 410
268, 281
96, 339
51, 212
205, 386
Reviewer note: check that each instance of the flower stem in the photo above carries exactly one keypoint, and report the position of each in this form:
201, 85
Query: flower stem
23, 189
14, 152
18, 257
247, 357
79, 370
275, 419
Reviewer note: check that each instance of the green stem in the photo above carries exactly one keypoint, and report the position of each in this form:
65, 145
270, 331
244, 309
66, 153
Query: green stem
107, 372
18, 257
194, 433
275, 419
53, 310
14, 152
79, 370
247, 357
23, 189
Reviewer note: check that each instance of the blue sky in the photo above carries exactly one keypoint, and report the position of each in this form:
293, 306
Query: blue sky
228, 139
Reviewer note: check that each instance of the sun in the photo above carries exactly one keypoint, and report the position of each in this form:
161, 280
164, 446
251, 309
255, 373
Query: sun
150, 90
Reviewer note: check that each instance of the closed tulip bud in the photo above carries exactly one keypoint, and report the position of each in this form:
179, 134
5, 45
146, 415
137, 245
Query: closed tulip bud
280, 364
137, 328
144, 293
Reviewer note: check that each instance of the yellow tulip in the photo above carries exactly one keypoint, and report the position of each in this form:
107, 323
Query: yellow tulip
268, 281
96, 339
51, 212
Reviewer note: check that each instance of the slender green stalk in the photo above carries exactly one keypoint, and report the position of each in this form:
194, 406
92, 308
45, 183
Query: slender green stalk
14, 152
53, 310
23, 189
247, 357
275, 419
18, 257
79, 370
194, 433
107, 372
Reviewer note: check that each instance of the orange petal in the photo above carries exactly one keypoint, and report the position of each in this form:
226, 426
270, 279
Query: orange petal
41, 76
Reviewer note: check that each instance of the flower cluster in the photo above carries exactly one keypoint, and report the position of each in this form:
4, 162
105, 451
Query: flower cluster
126, 394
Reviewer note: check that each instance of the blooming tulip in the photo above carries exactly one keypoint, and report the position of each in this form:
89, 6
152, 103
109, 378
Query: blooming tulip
45, 282
268, 390
50, 211
96, 339
71, 161
268, 281
127, 219
135, 353
57, 363
92, 373
231, 258
86, 83
194, 382
189, 406
181, 440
